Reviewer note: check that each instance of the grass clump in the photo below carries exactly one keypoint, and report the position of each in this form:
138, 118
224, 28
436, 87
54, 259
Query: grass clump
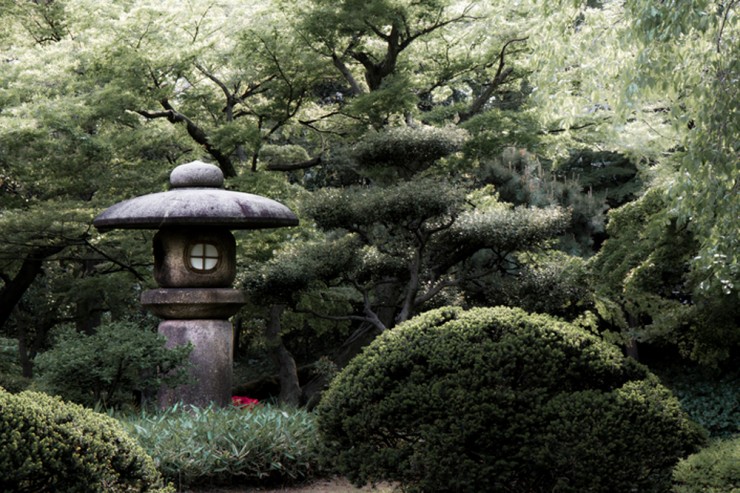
260, 445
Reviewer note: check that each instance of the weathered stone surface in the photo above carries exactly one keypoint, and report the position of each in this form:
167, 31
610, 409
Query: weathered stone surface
193, 303
197, 174
211, 360
172, 268
196, 200
196, 207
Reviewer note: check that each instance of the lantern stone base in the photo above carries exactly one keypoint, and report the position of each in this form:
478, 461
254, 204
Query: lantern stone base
193, 303
211, 361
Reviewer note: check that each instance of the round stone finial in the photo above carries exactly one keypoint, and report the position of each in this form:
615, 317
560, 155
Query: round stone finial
197, 174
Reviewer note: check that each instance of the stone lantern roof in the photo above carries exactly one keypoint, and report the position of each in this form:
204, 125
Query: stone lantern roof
196, 198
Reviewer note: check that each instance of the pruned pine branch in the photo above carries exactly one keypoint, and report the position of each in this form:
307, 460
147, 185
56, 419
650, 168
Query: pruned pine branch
310, 163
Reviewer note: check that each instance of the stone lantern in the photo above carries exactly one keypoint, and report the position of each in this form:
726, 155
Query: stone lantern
195, 266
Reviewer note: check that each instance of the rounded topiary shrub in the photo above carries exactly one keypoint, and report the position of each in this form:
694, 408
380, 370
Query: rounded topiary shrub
497, 399
49, 445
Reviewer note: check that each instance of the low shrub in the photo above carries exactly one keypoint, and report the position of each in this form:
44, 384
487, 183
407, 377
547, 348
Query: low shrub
262, 444
495, 399
715, 469
110, 368
47, 445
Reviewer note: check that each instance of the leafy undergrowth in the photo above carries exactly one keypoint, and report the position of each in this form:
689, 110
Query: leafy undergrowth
261, 445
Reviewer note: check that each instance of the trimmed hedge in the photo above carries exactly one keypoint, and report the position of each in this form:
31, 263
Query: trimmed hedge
495, 399
47, 445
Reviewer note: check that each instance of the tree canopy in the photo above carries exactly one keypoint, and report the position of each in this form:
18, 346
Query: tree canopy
443, 152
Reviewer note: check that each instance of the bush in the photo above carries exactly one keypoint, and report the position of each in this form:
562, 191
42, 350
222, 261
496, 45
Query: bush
263, 444
715, 469
495, 399
48, 445
110, 367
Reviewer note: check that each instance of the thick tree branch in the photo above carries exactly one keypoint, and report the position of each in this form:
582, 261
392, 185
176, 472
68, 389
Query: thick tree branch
502, 73
12, 292
196, 133
347, 74
369, 316
290, 390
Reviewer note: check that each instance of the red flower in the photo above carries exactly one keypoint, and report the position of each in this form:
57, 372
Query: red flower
244, 402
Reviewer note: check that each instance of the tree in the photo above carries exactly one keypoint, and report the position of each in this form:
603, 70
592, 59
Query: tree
424, 144
406, 241
411, 53
230, 81
702, 100
669, 271
73, 141
646, 288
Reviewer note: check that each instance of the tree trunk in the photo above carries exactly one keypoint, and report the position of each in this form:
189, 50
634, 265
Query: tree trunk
32, 266
290, 390
347, 74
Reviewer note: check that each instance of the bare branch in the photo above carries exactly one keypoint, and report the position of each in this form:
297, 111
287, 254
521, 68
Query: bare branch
109, 258
196, 133
218, 82
726, 14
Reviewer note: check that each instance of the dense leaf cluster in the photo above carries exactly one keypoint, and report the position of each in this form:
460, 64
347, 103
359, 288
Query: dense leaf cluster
262, 444
646, 284
495, 399
49, 445
714, 469
112, 367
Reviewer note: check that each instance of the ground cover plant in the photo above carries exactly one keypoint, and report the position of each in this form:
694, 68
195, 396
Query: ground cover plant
256, 444
495, 399
714, 469
48, 445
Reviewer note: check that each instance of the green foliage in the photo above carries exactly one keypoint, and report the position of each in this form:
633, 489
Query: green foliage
261, 445
588, 183
402, 152
709, 399
495, 130
495, 399
702, 96
11, 378
506, 229
393, 206
110, 366
49, 445
553, 283
714, 469
610, 173
647, 285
